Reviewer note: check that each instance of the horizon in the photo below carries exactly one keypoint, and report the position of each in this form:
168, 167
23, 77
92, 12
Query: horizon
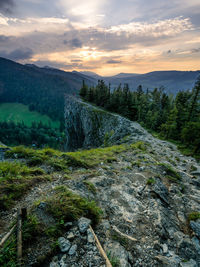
105, 37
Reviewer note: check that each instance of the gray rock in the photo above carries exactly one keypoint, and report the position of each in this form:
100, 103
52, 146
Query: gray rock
188, 249
63, 261
83, 224
70, 235
87, 126
54, 264
72, 250
165, 248
64, 244
196, 173
90, 237
190, 263
195, 227
161, 191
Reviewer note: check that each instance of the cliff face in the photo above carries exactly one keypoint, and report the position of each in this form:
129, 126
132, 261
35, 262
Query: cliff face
88, 126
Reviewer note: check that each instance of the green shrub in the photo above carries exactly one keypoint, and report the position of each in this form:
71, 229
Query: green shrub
65, 205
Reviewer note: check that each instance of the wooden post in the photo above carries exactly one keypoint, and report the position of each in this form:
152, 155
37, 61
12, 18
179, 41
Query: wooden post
24, 214
108, 264
19, 236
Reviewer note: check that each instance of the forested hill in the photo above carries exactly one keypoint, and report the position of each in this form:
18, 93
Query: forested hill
42, 89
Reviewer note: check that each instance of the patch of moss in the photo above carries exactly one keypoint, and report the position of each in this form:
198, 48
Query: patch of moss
171, 174
67, 206
90, 186
193, 216
151, 181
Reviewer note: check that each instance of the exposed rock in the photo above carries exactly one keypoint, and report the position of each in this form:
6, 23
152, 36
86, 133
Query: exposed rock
116, 251
161, 191
72, 250
90, 237
190, 263
88, 126
196, 227
70, 235
64, 244
83, 224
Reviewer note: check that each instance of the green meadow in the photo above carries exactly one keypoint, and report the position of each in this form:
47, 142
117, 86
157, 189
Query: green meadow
20, 113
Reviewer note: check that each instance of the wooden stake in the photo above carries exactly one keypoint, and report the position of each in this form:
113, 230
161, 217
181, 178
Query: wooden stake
5, 238
19, 236
24, 214
108, 264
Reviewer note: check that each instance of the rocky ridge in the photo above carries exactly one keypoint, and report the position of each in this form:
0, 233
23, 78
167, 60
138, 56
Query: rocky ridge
148, 194
89, 126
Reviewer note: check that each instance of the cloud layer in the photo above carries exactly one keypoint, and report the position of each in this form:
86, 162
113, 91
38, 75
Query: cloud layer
103, 36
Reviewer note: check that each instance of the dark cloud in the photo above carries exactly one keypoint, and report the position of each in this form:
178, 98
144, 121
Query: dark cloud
76, 43
113, 61
18, 54
6, 6
195, 50
76, 60
4, 38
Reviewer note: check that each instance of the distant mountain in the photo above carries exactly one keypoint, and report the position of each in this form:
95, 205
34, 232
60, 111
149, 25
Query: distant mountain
173, 81
125, 75
91, 74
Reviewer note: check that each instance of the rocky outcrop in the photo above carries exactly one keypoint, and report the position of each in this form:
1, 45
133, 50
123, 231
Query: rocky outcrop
89, 126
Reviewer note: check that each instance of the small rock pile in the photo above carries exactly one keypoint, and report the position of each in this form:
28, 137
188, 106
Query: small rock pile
77, 247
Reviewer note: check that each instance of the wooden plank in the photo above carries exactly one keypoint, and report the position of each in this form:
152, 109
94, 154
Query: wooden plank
101, 250
5, 238
19, 236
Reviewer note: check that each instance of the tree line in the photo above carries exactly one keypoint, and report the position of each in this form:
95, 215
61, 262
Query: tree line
38, 135
173, 117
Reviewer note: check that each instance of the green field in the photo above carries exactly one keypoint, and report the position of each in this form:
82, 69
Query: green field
20, 113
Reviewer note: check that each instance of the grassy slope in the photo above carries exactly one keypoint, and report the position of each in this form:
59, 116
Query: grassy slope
18, 112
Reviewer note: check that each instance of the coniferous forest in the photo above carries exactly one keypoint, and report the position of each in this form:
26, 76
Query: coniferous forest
173, 117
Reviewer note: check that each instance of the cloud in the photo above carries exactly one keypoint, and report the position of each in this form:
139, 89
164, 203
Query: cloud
76, 43
112, 61
168, 27
18, 54
3, 38
6, 6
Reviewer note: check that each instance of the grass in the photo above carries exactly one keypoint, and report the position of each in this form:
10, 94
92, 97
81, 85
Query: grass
18, 112
31, 229
90, 186
151, 181
113, 260
171, 174
193, 216
15, 179
61, 161
65, 206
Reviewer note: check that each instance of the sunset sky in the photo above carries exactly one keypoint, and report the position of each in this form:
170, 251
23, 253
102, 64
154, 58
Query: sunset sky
104, 36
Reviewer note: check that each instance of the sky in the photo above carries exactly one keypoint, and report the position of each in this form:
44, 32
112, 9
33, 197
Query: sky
102, 36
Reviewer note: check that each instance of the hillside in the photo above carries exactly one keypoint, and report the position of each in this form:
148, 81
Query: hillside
41, 88
141, 196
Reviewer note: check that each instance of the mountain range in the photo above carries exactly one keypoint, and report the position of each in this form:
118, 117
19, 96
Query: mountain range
172, 81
